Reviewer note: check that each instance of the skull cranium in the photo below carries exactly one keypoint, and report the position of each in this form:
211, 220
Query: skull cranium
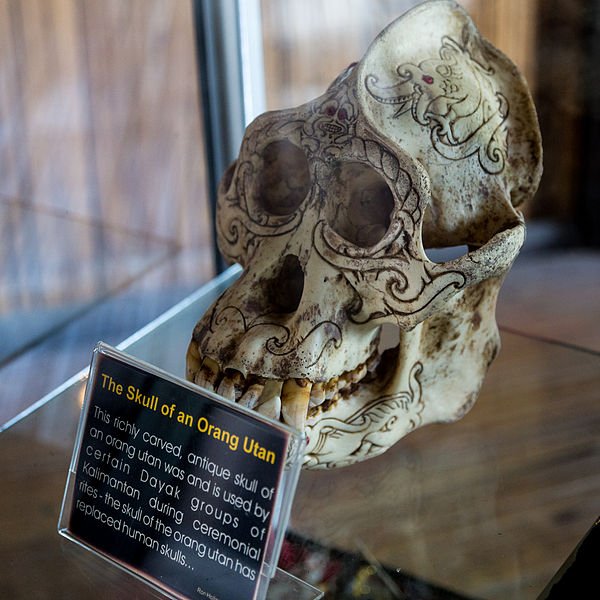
431, 140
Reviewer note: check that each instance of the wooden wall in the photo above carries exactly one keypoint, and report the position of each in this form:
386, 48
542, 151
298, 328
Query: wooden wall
99, 113
99, 104
308, 42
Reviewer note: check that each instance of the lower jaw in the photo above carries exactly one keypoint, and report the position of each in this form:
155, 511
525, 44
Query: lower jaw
291, 400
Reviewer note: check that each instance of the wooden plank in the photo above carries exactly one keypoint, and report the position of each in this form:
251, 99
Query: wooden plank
145, 116
308, 42
100, 114
52, 104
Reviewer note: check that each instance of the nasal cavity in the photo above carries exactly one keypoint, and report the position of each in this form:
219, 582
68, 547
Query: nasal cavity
288, 285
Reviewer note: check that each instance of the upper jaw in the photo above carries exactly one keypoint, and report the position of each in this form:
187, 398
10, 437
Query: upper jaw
291, 400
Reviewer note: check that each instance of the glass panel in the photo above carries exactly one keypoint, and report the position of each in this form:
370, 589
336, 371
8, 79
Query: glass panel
45, 287
102, 181
486, 507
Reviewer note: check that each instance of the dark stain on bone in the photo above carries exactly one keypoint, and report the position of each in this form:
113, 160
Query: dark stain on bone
491, 350
466, 407
227, 351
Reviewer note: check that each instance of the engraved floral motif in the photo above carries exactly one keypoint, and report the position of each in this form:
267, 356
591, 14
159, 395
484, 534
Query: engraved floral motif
369, 431
456, 97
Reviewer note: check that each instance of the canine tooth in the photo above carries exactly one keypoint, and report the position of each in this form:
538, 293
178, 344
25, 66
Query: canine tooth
295, 396
317, 394
207, 374
230, 385
270, 408
251, 396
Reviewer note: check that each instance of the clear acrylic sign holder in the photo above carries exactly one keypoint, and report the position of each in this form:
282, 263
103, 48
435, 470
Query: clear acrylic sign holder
180, 488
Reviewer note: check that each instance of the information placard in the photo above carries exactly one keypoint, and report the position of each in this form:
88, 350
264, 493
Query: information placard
176, 485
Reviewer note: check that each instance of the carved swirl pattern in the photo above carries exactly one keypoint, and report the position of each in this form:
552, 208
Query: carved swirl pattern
384, 280
327, 126
457, 98
278, 340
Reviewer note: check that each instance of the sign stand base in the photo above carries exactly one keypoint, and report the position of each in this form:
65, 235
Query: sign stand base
283, 586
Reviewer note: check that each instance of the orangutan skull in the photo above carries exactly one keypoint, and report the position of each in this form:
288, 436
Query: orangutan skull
431, 140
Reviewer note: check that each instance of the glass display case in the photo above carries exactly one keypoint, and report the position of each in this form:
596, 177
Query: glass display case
488, 507
118, 122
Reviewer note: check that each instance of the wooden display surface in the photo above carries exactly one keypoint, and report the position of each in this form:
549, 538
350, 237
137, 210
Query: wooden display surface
489, 506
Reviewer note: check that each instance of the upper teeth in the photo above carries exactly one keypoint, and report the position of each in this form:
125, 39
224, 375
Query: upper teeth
290, 400
295, 395
252, 395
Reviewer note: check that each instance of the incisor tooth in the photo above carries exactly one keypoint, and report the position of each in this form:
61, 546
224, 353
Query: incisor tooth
207, 374
270, 408
230, 385
269, 403
317, 394
251, 396
271, 390
295, 396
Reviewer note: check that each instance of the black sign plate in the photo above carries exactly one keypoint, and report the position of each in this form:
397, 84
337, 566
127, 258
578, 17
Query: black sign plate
176, 486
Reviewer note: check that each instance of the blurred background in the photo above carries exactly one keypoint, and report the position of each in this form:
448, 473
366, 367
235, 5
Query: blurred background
104, 203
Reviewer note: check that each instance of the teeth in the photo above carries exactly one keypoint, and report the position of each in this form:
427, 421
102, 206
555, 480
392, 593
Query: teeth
230, 386
271, 390
317, 394
344, 381
295, 396
252, 395
207, 374
270, 400
358, 373
331, 388
289, 400
271, 408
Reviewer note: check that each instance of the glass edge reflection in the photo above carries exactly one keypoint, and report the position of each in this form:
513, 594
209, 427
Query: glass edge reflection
223, 279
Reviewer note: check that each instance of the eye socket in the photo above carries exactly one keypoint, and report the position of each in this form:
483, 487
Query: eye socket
360, 204
284, 181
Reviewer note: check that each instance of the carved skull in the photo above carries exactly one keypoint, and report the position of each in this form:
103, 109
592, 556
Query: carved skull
331, 208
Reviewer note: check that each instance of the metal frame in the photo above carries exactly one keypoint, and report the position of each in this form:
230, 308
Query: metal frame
230, 67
